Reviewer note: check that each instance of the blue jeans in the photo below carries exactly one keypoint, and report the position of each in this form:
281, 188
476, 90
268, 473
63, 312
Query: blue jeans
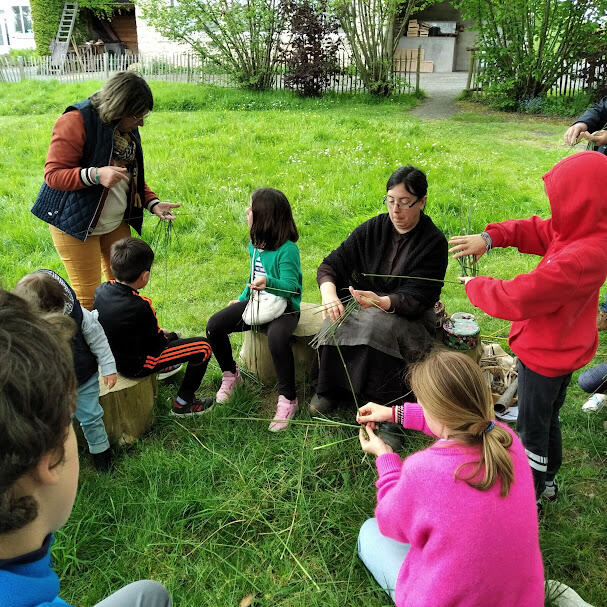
603, 306
144, 593
381, 555
594, 379
90, 415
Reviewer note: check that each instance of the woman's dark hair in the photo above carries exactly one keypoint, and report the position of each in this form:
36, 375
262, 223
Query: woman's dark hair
37, 398
129, 257
125, 94
413, 179
273, 222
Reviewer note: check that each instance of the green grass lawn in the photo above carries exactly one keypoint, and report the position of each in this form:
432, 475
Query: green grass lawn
217, 508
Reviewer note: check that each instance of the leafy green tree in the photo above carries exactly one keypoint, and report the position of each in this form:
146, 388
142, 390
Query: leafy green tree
373, 29
241, 37
527, 45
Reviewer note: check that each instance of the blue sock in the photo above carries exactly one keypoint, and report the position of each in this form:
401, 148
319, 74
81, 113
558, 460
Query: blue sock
180, 401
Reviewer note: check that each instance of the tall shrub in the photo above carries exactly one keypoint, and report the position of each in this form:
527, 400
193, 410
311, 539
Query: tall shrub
527, 45
311, 56
372, 29
241, 37
594, 72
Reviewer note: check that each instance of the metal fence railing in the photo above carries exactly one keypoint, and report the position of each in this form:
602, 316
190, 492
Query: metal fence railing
182, 67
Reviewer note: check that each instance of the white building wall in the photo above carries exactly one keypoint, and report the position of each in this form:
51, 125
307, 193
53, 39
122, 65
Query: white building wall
151, 42
15, 26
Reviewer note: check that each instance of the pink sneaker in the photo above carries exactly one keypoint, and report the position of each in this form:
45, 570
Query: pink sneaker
285, 410
228, 381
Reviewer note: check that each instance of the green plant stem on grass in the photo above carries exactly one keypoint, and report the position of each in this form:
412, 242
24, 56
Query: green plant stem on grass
453, 282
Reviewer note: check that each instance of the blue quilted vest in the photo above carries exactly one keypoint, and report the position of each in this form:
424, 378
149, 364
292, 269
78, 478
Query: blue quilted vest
76, 212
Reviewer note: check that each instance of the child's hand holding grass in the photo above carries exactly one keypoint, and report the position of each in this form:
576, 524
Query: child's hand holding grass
372, 412
371, 443
472, 244
259, 284
465, 279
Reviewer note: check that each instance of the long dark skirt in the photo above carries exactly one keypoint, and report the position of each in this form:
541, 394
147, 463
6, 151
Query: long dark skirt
374, 375
377, 349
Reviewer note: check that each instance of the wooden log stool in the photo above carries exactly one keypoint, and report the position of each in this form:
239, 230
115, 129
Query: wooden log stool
255, 353
128, 409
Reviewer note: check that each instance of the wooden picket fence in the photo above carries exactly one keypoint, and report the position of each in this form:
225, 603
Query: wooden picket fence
182, 67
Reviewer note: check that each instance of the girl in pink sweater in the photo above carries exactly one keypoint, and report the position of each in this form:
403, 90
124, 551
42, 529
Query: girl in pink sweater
456, 523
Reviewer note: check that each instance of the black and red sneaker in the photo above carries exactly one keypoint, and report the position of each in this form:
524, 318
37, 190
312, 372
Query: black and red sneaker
196, 407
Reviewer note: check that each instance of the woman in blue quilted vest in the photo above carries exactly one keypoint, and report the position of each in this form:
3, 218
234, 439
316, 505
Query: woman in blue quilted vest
94, 188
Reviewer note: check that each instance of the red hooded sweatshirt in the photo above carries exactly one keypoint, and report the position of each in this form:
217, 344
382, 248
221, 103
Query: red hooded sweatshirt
554, 307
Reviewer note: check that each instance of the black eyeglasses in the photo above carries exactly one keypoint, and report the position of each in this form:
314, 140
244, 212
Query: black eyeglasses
392, 204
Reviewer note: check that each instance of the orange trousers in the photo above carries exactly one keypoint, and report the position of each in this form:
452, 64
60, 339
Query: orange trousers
83, 260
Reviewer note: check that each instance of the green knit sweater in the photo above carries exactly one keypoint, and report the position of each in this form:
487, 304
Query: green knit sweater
283, 272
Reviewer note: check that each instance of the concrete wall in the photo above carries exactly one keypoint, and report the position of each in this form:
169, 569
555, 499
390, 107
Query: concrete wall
465, 39
437, 49
150, 42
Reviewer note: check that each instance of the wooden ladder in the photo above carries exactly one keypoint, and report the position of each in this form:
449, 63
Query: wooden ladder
61, 43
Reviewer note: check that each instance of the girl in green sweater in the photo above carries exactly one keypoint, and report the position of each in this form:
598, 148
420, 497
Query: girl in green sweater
275, 269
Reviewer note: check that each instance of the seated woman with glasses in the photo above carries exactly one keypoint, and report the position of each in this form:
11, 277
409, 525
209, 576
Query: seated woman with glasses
396, 322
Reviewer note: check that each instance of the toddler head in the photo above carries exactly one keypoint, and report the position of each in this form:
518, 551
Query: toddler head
44, 289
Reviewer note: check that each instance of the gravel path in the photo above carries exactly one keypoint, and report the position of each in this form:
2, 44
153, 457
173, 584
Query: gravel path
442, 89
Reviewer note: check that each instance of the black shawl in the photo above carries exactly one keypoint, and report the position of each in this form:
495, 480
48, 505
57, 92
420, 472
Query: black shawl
363, 251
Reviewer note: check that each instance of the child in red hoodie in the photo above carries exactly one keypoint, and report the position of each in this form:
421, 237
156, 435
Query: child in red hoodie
553, 307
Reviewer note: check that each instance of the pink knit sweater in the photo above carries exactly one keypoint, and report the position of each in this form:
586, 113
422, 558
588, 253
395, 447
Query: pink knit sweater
469, 548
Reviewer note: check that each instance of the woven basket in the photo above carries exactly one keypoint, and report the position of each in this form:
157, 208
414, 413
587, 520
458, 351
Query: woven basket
441, 314
499, 379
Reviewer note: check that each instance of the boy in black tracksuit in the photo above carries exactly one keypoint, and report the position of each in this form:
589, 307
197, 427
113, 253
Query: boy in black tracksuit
139, 345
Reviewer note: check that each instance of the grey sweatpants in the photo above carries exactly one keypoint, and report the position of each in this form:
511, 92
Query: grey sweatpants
144, 593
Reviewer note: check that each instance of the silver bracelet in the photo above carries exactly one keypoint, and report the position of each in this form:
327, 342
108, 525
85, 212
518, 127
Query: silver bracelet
488, 241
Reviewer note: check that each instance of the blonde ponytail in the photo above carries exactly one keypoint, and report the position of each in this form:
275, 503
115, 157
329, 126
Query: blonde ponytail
495, 461
451, 388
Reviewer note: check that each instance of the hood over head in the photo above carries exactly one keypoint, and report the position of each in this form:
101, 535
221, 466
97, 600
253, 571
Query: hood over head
577, 190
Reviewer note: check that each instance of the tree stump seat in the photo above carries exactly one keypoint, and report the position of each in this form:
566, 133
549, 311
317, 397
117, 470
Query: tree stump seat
128, 409
255, 353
